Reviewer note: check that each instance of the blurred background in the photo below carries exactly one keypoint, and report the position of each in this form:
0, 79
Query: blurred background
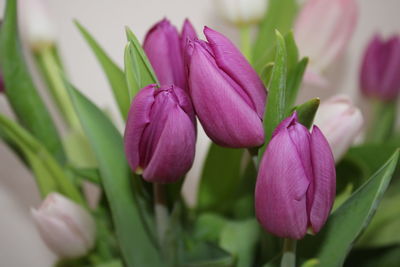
20, 244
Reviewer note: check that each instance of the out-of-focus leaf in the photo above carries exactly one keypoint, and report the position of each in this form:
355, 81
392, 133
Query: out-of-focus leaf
21, 92
240, 239
92, 175
209, 226
79, 152
295, 77
306, 112
279, 16
137, 247
207, 255
220, 179
114, 263
377, 257
147, 74
383, 123
333, 243
115, 75
49, 174
277, 96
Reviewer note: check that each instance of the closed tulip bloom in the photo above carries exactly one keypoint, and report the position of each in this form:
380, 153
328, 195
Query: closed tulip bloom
160, 134
341, 122
66, 228
164, 48
242, 11
323, 30
227, 94
296, 182
380, 70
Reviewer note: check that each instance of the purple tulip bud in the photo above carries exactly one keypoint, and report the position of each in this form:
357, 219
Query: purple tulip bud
164, 48
227, 94
2, 87
380, 70
160, 133
296, 182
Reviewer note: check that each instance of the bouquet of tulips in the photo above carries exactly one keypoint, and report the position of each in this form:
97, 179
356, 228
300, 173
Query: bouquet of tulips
282, 184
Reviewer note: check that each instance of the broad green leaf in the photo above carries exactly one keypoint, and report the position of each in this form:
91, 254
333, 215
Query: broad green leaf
115, 75
277, 96
78, 150
240, 239
220, 179
50, 176
148, 75
279, 16
295, 77
388, 256
114, 263
135, 243
291, 50
333, 243
306, 112
207, 255
21, 92
383, 122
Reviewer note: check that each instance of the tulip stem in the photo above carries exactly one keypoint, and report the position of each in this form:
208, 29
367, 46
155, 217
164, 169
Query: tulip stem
245, 40
383, 122
289, 253
161, 211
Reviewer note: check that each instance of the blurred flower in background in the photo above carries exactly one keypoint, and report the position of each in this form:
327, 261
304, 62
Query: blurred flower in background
242, 11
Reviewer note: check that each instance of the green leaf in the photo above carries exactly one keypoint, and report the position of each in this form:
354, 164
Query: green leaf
240, 239
279, 16
384, 120
220, 179
333, 243
207, 255
295, 77
21, 92
306, 112
146, 71
79, 152
50, 176
135, 243
377, 257
277, 95
115, 75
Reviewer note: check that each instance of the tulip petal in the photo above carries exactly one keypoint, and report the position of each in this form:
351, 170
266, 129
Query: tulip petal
391, 76
320, 200
174, 152
280, 196
231, 61
371, 66
226, 117
188, 32
138, 119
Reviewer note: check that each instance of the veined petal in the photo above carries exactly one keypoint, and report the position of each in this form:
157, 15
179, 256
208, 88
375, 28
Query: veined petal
324, 184
280, 196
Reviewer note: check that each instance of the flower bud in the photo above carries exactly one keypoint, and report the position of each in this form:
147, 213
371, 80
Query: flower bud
323, 30
242, 11
227, 94
160, 134
341, 122
39, 28
66, 228
296, 182
163, 47
380, 70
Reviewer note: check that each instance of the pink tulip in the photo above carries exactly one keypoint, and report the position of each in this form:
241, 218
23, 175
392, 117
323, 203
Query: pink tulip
323, 30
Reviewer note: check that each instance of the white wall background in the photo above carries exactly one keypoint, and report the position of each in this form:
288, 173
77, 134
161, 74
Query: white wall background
20, 245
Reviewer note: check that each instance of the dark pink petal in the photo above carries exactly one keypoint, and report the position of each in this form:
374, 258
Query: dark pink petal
371, 67
231, 61
280, 196
188, 32
391, 76
225, 115
138, 119
175, 148
286, 123
324, 184
163, 48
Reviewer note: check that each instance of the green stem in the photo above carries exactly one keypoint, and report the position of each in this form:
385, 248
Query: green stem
161, 211
245, 40
52, 71
384, 118
289, 253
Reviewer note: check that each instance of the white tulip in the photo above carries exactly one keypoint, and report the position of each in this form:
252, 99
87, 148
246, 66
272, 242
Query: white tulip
66, 227
242, 11
341, 122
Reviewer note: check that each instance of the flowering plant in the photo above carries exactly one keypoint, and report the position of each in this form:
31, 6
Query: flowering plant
278, 173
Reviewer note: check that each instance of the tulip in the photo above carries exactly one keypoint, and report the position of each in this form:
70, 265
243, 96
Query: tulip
66, 228
380, 71
341, 122
228, 96
242, 11
164, 48
323, 30
39, 28
160, 134
2, 87
296, 183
